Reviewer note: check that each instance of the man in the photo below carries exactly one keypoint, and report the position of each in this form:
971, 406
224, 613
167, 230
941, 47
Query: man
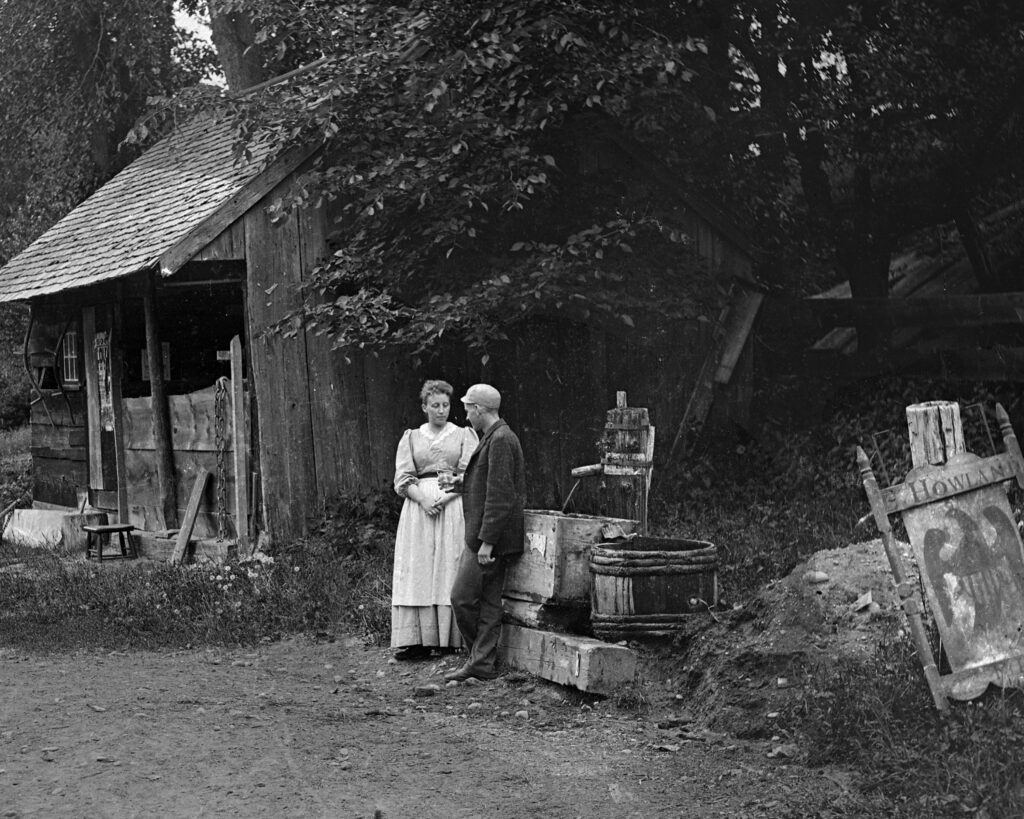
494, 490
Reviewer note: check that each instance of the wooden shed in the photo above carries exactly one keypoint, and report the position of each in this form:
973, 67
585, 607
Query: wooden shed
138, 293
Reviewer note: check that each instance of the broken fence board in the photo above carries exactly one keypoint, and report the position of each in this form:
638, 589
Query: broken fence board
587, 664
189, 521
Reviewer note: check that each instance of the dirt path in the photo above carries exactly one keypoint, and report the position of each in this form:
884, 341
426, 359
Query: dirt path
302, 728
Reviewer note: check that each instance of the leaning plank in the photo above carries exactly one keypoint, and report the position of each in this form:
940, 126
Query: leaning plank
699, 404
189, 521
741, 322
588, 664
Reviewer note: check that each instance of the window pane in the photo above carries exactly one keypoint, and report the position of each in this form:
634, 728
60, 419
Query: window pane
70, 357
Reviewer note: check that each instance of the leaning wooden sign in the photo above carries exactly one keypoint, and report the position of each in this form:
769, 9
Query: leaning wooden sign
971, 560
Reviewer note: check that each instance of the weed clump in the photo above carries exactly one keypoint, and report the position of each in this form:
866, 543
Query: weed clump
340, 575
879, 719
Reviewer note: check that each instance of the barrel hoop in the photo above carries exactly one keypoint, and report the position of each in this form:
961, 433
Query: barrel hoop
641, 554
627, 571
601, 560
617, 633
640, 619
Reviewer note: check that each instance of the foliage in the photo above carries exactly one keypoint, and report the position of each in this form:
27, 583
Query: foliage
14, 384
448, 158
73, 77
848, 125
881, 720
341, 575
450, 154
15, 469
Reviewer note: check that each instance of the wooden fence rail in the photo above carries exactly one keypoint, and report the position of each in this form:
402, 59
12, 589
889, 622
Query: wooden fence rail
897, 313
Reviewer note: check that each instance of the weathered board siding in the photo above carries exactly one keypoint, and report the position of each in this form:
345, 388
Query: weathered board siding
558, 380
194, 447
60, 455
229, 245
279, 368
329, 421
723, 256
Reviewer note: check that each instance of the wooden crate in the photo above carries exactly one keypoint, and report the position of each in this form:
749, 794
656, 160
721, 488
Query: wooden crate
555, 566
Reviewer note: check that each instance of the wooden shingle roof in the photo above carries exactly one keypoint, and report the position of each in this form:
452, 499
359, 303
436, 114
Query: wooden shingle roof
156, 213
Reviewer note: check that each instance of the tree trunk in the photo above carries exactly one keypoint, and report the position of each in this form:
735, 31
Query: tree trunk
970, 238
864, 254
234, 36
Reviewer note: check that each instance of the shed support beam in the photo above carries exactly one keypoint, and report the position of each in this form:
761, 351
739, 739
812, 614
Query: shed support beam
160, 411
116, 399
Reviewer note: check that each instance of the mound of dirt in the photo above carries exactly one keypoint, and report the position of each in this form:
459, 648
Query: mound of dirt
738, 670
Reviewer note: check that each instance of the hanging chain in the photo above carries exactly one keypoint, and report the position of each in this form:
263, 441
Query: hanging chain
220, 424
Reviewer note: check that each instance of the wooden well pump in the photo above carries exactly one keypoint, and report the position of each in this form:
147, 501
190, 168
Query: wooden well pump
626, 463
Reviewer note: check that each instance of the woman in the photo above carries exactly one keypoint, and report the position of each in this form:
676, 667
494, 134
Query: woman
430, 535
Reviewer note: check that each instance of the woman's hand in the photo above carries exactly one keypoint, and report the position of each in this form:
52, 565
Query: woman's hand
443, 500
429, 506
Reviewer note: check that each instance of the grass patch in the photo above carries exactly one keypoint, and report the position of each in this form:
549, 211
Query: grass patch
14, 443
340, 575
15, 467
880, 721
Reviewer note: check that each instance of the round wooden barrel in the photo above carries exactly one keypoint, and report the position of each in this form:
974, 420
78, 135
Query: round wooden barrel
647, 586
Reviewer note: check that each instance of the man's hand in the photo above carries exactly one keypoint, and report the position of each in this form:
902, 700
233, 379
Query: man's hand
484, 556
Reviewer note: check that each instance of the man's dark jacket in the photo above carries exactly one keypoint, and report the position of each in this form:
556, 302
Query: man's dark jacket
494, 491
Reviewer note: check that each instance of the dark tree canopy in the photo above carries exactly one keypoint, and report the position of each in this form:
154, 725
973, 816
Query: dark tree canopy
451, 131
449, 166
870, 120
74, 76
834, 127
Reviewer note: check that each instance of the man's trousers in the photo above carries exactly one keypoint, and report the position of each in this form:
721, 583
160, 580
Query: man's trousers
476, 602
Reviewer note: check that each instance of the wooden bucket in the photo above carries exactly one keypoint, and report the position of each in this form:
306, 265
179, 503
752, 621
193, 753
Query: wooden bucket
648, 586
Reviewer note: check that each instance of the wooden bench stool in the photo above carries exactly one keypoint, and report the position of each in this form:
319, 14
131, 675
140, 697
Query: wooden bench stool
96, 533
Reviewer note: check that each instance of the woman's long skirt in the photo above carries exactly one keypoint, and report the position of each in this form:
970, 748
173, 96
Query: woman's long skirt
427, 551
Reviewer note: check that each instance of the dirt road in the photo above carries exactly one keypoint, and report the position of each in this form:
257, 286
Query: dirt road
308, 729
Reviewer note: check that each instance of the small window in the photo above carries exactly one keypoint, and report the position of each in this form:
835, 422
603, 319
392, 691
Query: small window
70, 368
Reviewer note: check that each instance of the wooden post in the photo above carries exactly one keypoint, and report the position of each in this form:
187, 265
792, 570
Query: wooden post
936, 434
159, 411
1010, 442
116, 364
905, 590
92, 398
239, 444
